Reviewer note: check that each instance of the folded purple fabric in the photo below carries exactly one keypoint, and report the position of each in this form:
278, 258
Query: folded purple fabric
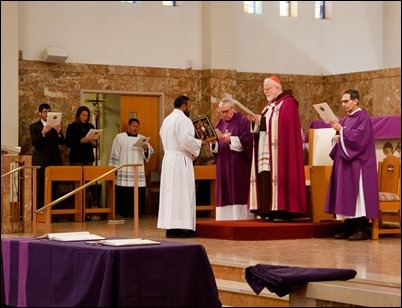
282, 280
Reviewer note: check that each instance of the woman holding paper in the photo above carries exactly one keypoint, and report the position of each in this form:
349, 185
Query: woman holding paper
81, 146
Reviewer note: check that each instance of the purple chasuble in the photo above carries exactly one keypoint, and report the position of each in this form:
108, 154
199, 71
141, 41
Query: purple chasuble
291, 194
232, 167
287, 178
360, 160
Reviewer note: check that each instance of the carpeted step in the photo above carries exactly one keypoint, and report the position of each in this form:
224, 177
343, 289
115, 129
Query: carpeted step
259, 230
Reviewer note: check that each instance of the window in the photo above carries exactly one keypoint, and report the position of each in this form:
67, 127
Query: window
322, 9
288, 8
252, 7
169, 3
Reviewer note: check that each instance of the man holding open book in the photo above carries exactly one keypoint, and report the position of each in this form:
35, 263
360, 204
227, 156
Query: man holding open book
130, 147
46, 140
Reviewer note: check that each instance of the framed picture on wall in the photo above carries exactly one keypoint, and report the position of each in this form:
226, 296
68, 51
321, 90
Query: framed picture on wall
204, 129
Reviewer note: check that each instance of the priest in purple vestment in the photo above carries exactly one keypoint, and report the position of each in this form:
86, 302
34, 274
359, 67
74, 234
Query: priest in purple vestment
277, 182
353, 188
233, 163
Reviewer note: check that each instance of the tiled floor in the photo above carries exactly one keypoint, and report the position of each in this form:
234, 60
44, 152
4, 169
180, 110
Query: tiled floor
374, 260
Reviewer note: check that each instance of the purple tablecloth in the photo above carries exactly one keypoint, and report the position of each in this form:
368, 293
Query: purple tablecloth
384, 127
72, 274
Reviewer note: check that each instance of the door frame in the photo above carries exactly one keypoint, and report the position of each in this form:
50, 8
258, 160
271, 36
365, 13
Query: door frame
160, 95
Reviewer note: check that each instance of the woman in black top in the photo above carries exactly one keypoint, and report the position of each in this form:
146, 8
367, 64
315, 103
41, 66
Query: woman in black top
81, 147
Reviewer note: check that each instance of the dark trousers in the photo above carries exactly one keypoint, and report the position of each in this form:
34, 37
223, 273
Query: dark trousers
40, 188
124, 201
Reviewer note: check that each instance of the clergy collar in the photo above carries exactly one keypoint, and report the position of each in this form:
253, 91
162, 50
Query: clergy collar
131, 135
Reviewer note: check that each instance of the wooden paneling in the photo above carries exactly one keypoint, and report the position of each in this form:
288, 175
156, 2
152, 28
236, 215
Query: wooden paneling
147, 111
319, 176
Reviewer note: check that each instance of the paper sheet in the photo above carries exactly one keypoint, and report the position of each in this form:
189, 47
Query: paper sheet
129, 242
326, 113
248, 111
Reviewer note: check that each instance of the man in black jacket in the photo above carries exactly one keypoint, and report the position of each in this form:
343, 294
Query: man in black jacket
46, 140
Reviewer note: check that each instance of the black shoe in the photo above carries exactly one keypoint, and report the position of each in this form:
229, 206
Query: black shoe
359, 236
172, 233
342, 236
349, 228
186, 233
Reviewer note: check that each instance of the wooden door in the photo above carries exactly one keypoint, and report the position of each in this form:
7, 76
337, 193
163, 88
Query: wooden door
147, 110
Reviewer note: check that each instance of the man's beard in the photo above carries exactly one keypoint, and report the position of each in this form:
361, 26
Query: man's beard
269, 98
187, 113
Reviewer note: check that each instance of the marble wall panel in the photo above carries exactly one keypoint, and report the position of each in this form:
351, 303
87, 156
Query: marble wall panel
62, 85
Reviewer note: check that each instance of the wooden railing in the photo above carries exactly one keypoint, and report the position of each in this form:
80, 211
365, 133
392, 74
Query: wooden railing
73, 192
34, 181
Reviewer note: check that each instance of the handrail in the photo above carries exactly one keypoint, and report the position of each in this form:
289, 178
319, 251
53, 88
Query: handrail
73, 192
18, 169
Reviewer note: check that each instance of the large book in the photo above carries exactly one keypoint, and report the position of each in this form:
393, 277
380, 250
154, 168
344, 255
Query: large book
72, 236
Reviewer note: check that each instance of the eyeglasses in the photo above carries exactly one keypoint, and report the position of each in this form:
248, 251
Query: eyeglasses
225, 111
345, 101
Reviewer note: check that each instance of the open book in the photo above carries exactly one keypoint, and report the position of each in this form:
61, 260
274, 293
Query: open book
141, 141
94, 134
326, 112
129, 242
53, 118
72, 236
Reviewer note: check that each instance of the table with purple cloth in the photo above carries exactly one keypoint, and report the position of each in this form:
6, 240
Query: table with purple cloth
74, 274
384, 127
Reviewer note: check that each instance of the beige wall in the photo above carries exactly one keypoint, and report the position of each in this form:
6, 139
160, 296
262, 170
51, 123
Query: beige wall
9, 73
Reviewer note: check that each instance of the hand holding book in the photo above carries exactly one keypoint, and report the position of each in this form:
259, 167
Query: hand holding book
93, 134
141, 141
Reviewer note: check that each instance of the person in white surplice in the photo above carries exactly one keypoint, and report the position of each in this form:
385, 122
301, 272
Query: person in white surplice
177, 212
130, 148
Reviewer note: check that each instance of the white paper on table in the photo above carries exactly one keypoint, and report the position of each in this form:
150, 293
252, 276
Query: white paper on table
53, 118
129, 242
